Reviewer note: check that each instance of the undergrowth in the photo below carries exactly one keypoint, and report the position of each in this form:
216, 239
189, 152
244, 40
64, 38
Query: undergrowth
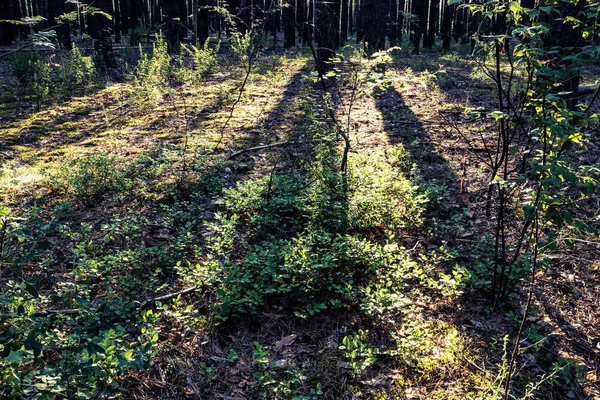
291, 240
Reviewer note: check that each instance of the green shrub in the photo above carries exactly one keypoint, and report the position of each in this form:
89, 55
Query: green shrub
195, 62
138, 34
203, 57
59, 78
33, 73
91, 178
40, 83
269, 202
291, 231
154, 70
20, 65
65, 356
241, 45
75, 70
318, 267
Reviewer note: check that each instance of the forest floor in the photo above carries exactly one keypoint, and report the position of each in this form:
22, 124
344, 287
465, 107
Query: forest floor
129, 192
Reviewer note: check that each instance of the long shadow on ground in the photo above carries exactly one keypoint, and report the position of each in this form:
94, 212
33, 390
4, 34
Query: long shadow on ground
294, 342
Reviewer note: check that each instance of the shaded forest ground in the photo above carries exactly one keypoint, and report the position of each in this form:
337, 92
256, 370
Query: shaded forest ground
166, 188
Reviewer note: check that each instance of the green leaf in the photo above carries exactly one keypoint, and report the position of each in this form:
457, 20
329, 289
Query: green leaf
32, 290
497, 115
94, 348
514, 7
14, 356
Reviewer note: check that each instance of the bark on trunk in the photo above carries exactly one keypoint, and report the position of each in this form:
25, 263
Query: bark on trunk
447, 26
307, 32
175, 11
357, 22
393, 23
373, 17
8, 32
328, 32
289, 31
434, 10
420, 8
203, 21
344, 21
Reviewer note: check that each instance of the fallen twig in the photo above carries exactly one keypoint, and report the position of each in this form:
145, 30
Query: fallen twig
136, 304
266, 146
472, 364
170, 295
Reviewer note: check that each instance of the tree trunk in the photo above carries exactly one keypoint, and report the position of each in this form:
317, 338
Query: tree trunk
126, 20
194, 16
393, 23
245, 16
357, 21
373, 17
528, 3
472, 26
447, 26
420, 8
289, 31
344, 21
307, 31
8, 32
63, 31
400, 24
43, 11
429, 39
459, 25
328, 32
136, 13
273, 16
203, 21
350, 19
300, 17
117, 20
97, 22
568, 39
175, 11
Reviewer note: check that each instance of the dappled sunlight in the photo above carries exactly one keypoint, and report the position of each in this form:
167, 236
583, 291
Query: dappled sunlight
229, 218
116, 118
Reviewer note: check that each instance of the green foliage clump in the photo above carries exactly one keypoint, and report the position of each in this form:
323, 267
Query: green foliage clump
358, 353
81, 355
76, 70
138, 34
102, 337
292, 232
204, 58
21, 65
91, 178
154, 70
287, 384
40, 81
34, 73
241, 45
380, 195
53, 78
318, 267
554, 188
269, 202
